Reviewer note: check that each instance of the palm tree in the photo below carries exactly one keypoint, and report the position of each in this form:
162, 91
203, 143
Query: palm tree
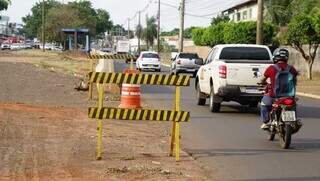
150, 32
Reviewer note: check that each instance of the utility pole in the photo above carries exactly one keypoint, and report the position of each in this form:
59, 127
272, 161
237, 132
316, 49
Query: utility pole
43, 27
139, 31
158, 34
260, 23
181, 32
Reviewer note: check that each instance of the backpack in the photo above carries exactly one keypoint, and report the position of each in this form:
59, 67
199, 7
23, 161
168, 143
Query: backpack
285, 85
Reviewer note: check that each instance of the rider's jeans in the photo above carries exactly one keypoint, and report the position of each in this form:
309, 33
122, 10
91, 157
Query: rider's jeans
266, 106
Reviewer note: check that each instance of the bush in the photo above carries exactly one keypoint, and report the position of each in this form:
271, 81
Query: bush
198, 35
230, 32
213, 35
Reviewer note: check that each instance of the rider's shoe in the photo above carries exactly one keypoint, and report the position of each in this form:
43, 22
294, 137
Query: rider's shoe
265, 126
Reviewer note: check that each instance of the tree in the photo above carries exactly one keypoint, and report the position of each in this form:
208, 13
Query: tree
103, 21
118, 30
214, 35
86, 13
197, 36
33, 21
4, 4
61, 17
219, 19
304, 30
98, 21
150, 32
280, 12
245, 32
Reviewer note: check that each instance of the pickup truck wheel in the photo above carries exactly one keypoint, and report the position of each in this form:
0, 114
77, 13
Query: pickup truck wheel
214, 106
201, 100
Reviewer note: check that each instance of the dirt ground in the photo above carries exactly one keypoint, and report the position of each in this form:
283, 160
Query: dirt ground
45, 133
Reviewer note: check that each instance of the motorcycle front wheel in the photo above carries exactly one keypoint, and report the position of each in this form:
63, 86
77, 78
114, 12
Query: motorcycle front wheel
285, 138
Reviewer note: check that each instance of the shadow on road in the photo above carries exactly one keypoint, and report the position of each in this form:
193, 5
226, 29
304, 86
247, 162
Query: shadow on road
200, 153
306, 144
238, 109
300, 145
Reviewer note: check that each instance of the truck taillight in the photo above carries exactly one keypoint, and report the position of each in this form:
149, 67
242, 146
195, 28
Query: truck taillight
223, 71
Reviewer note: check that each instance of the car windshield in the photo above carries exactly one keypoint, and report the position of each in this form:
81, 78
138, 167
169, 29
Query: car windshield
188, 55
150, 55
244, 53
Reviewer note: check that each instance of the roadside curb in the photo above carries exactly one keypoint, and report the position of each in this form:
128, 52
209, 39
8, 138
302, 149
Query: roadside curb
308, 95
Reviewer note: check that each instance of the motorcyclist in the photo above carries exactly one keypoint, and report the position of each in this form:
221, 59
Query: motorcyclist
280, 58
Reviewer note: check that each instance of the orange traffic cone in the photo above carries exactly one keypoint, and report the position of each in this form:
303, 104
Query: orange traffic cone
130, 94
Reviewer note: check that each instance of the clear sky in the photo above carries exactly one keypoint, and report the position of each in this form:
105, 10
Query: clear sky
198, 12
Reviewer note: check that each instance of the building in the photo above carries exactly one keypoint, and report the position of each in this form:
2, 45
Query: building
4, 25
247, 10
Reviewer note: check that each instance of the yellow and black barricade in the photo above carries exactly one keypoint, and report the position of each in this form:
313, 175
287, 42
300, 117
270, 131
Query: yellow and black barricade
94, 57
176, 115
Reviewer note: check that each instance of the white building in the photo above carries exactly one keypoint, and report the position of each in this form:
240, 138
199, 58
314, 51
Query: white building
247, 10
4, 23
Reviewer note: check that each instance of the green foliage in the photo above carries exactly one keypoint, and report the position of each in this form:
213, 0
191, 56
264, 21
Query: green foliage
58, 17
103, 21
230, 32
33, 21
4, 4
243, 32
170, 33
150, 32
175, 32
219, 19
280, 12
98, 21
197, 36
304, 29
214, 35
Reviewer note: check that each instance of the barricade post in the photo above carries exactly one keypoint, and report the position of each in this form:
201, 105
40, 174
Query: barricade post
175, 116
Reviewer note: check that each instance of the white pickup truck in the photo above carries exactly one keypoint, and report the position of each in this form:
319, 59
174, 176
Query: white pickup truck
231, 73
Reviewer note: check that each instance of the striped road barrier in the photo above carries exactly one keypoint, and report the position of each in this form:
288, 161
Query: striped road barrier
95, 56
176, 116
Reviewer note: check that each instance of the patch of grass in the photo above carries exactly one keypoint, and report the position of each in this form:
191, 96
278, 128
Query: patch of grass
309, 86
37, 53
69, 67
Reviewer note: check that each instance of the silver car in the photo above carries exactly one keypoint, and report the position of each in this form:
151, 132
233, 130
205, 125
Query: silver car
186, 63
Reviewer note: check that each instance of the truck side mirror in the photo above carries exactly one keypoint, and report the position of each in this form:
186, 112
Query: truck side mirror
199, 61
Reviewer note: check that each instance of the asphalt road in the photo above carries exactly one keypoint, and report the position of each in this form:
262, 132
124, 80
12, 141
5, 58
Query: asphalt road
230, 144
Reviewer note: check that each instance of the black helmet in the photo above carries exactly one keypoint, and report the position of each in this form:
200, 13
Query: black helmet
280, 54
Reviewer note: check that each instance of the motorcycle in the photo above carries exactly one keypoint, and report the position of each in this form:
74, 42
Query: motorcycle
284, 121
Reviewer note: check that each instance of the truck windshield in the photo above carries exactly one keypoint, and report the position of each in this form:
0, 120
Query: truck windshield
188, 55
150, 55
245, 53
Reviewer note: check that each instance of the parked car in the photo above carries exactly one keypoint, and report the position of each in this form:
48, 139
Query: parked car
5, 46
231, 73
15, 46
148, 61
186, 63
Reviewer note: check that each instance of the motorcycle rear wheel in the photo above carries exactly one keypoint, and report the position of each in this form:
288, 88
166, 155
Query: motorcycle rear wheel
285, 139
271, 137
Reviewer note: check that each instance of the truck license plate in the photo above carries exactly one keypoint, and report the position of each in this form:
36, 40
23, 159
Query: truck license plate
252, 91
288, 116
